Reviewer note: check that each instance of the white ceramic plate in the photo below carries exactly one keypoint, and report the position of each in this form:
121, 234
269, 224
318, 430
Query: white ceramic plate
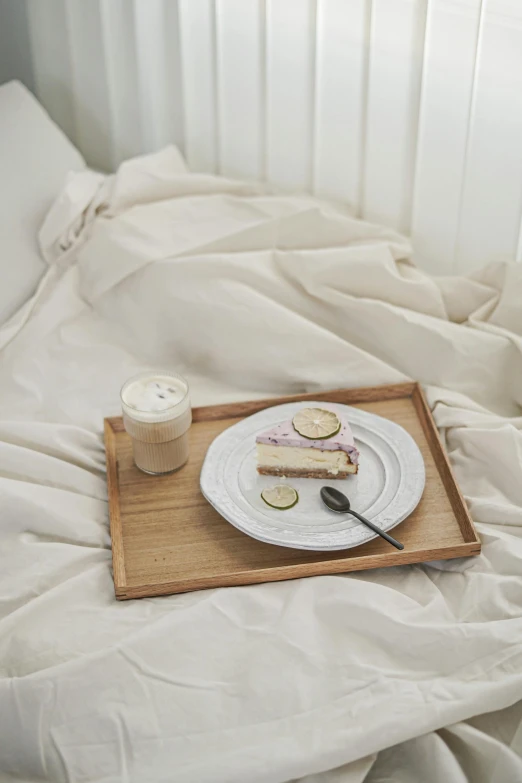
387, 488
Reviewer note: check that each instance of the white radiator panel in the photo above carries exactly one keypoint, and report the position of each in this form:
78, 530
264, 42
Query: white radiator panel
409, 111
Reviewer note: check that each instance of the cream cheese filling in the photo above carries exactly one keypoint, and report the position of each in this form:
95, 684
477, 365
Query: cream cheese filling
302, 459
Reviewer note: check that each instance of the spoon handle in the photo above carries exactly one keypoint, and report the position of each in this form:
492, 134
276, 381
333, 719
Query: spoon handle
377, 530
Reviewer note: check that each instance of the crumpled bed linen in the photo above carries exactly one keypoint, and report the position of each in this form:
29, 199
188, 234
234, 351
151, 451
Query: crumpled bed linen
397, 675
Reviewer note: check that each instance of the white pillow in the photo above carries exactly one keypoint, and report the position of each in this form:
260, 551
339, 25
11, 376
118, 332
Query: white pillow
35, 157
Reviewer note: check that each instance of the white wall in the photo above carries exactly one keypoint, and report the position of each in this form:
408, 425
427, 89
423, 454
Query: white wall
408, 110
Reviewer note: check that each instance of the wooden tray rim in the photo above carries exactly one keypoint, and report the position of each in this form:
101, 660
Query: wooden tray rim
413, 390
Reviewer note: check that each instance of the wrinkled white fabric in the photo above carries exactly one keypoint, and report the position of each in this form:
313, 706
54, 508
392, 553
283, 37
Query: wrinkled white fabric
35, 158
375, 676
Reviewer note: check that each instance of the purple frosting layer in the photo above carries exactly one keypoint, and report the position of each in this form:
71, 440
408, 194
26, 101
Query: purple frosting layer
284, 434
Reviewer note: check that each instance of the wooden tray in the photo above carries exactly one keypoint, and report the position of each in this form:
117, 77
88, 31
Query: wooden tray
166, 538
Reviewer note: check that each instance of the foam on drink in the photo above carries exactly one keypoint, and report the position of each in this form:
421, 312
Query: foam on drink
152, 394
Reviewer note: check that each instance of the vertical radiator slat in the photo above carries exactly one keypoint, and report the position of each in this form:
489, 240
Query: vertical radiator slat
198, 68
396, 46
492, 195
119, 41
51, 55
342, 59
290, 92
447, 87
91, 95
159, 77
240, 79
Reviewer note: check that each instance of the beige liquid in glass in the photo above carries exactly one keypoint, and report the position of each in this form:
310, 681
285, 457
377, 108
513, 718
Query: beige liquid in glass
157, 416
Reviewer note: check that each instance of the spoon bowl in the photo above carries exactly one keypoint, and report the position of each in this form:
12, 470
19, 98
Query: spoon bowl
335, 500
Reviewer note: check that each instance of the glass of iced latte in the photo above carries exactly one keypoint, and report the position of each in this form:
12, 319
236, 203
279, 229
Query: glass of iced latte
157, 416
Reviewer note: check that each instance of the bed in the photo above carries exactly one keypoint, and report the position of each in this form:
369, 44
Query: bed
403, 674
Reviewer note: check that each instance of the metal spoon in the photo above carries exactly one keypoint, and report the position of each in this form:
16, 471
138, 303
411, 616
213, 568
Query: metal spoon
336, 501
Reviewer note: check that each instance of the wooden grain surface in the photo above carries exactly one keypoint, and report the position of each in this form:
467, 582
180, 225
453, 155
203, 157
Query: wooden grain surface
168, 539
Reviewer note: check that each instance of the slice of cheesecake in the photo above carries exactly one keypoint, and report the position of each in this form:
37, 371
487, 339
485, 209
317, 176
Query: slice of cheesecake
285, 451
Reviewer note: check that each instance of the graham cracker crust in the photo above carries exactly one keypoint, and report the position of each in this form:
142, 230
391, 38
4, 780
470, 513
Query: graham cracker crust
295, 473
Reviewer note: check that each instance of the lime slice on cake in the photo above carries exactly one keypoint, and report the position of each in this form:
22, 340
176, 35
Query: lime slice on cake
316, 423
281, 497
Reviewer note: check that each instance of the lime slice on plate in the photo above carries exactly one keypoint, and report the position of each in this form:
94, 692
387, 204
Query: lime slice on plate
316, 423
281, 497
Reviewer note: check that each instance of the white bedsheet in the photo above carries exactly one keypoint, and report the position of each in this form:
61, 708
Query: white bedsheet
376, 676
